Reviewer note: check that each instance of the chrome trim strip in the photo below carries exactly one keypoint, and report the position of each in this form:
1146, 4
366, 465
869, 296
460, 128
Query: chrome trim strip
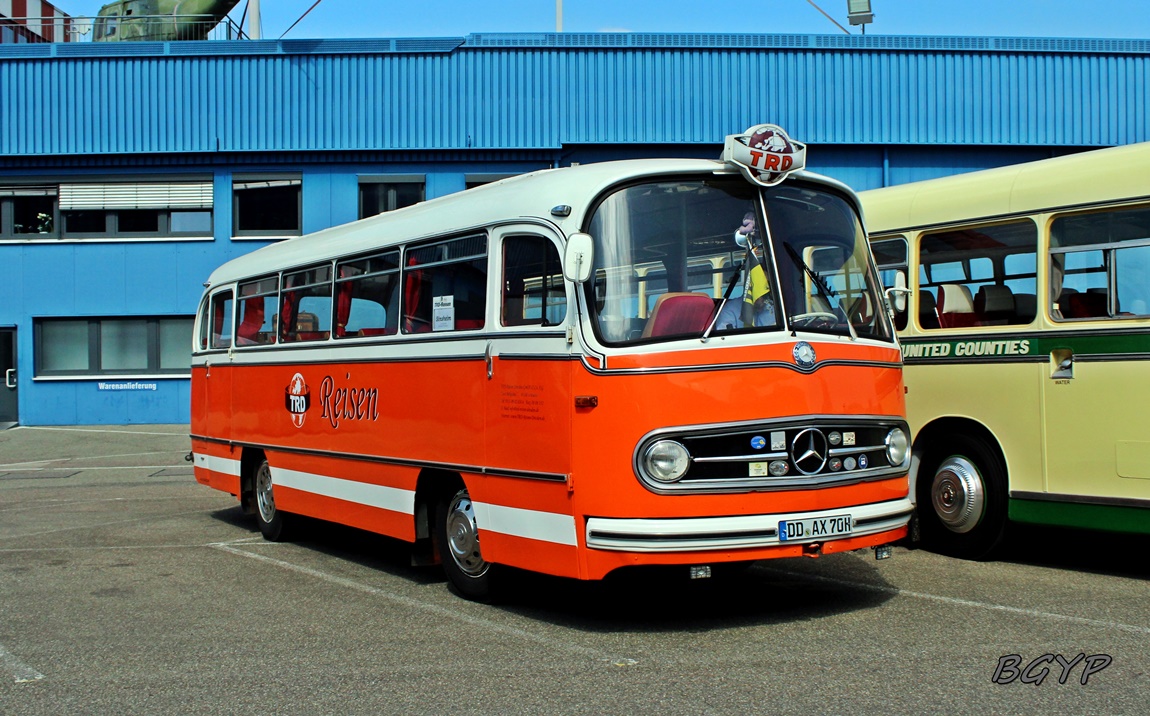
758, 457
732, 532
387, 460
852, 449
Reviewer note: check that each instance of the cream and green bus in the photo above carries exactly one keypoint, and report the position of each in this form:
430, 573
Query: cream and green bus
1022, 298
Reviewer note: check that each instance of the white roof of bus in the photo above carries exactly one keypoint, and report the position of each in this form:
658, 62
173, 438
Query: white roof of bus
1075, 180
529, 196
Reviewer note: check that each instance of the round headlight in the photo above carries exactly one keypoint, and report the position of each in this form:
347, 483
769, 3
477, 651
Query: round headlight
896, 447
666, 461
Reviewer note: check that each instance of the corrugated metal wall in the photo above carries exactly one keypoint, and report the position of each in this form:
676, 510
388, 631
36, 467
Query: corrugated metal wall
547, 91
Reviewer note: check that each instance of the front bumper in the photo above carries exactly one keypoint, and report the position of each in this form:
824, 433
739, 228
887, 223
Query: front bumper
693, 534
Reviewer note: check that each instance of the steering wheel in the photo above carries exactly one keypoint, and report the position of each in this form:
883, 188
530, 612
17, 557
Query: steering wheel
815, 319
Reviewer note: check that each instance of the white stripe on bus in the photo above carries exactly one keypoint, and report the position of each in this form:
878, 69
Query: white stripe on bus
514, 521
223, 465
361, 493
532, 524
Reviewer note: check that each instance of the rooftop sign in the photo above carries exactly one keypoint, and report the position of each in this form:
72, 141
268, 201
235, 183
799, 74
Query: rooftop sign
764, 154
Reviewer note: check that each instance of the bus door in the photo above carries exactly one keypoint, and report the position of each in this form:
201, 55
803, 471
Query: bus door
213, 392
529, 398
1096, 438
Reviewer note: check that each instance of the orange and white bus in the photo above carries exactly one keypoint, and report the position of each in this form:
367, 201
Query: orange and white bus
650, 362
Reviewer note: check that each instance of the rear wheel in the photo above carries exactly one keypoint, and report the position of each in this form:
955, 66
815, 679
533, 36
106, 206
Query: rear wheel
274, 524
962, 499
457, 537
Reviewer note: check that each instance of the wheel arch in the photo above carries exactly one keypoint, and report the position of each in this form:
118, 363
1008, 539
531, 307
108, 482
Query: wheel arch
433, 486
250, 459
934, 433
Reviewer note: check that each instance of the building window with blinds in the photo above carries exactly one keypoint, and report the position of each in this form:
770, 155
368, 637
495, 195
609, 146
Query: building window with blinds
267, 206
112, 210
136, 346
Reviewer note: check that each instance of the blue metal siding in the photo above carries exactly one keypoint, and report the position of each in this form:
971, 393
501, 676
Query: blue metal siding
480, 97
876, 111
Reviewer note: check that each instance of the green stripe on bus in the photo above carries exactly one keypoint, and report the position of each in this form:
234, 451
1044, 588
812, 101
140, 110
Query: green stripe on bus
1109, 518
1032, 344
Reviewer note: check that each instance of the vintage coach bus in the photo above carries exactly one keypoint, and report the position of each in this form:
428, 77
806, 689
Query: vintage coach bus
1027, 343
653, 362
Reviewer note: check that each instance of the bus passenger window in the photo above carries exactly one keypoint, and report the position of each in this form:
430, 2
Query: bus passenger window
533, 291
257, 306
978, 276
305, 305
367, 296
221, 318
445, 286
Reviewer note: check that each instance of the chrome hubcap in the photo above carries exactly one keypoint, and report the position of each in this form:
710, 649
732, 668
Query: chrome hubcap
958, 494
265, 501
463, 536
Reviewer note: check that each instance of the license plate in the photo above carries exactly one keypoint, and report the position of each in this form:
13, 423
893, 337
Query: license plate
813, 528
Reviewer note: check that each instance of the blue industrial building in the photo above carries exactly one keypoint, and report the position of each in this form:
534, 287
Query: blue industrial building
128, 171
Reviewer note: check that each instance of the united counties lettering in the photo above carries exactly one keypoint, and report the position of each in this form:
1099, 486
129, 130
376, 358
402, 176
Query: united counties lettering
338, 404
966, 348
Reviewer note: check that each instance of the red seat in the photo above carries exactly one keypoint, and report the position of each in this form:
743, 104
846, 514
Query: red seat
677, 314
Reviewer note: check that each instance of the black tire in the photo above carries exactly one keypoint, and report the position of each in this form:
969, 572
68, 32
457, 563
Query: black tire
275, 525
961, 495
457, 539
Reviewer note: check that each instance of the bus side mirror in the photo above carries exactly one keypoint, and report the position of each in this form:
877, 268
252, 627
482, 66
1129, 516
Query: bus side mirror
896, 294
578, 258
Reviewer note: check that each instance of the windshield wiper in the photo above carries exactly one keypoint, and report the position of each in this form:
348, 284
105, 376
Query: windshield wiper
820, 283
726, 297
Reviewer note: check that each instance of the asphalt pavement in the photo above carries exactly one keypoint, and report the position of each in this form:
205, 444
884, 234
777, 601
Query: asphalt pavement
128, 588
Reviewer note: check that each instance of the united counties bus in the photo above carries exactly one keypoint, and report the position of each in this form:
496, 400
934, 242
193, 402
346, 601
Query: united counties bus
1026, 339
652, 362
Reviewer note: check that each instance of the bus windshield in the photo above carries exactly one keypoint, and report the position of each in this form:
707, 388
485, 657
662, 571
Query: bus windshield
679, 259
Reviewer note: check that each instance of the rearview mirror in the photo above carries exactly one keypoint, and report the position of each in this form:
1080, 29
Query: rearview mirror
578, 257
897, 293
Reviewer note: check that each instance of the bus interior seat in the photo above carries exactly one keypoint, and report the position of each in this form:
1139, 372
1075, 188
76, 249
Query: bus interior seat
678, 314
248, 332
927, 309
1091, 304
994, 305
1025, 307
955, 306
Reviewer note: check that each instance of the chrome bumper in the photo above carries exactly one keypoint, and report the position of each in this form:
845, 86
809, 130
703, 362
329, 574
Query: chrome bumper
689, 534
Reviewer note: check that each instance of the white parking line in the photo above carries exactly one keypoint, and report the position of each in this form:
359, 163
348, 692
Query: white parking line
93, 430
21, 673
102, 525
546, 641
1101, 623
87, 458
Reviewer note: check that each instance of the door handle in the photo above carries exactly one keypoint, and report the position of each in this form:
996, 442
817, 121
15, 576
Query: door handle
490, 363
10, 378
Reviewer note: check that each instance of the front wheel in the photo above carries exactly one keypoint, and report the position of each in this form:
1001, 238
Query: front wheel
457, 537
274, 524
962, 498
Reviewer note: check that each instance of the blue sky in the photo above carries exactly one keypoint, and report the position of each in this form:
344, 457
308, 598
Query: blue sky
456, 18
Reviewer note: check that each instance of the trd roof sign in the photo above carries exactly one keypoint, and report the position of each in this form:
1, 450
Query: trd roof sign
764, 154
